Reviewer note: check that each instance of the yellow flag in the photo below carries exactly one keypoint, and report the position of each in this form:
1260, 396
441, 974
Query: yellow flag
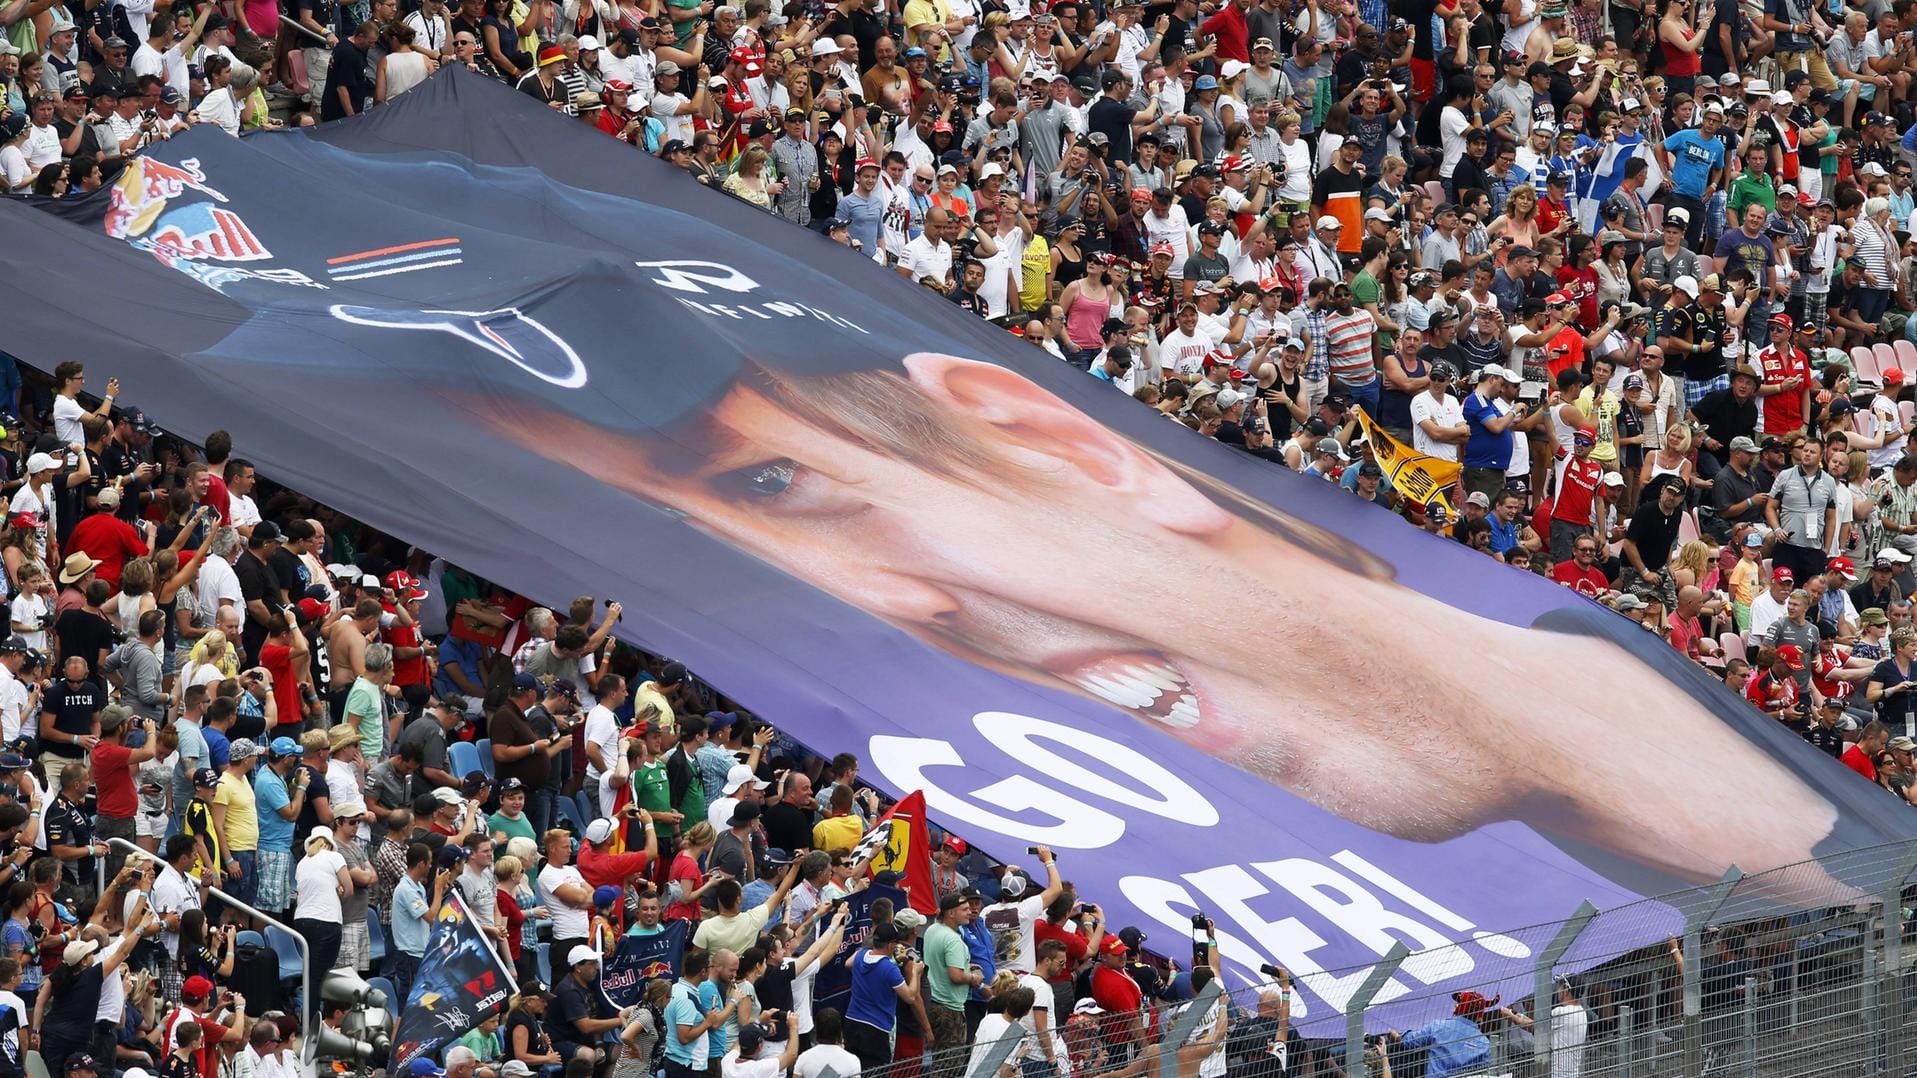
1419, 477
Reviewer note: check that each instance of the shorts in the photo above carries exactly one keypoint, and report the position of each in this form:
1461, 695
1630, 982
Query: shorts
355, 946
275, 871
1424, 79
148, 824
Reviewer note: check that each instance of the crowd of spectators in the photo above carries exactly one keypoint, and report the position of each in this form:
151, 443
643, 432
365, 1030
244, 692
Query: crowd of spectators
1604, 257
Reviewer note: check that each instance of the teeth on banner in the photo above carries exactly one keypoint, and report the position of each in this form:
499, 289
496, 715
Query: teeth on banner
1184, 713
1148, 688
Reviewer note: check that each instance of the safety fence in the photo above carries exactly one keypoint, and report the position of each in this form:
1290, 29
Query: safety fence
1804, 971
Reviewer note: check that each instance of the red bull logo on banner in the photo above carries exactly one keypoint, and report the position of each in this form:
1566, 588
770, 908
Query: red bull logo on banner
145, 187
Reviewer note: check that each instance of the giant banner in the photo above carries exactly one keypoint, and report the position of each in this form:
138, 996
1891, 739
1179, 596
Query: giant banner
1208, 684
636, 960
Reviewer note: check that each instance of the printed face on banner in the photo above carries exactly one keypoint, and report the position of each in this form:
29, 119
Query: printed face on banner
1213, 686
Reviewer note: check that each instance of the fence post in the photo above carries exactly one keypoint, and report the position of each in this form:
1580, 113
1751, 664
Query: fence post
1868, 1001
1374, 982
1187, 1022
1750, 1027
1891, 999
1627, 1040
1544, 994
1713, 900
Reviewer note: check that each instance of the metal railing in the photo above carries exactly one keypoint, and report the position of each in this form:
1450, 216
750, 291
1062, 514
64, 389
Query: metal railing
1805, 971
308, 1047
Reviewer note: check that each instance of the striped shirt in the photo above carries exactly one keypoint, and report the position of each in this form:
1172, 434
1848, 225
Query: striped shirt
1348, 342
1319, 365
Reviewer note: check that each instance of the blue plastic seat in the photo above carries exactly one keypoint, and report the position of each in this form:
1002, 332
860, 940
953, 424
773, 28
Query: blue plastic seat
282, 942
247, 936
464, 758
375, 938
484, 746
394, 1005
569, 815
545, 963
588, 806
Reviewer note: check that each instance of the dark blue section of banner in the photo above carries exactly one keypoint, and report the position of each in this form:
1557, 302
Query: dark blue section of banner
835, 977
638, 959
461, 983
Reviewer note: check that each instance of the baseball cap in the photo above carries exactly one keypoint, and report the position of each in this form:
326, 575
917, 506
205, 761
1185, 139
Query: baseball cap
450, 855
1902, 744
1743, 444
282, 747
1783, 575
1753, 540
1873, 616
1843, 567
1687, 285
1332, 448
196, 987
751, 1038
598, 831
1132, 937
424, 1067
1791, 655
206, 778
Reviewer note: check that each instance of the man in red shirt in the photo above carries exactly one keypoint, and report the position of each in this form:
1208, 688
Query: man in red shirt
601, 867
1687, 629
409, 653
284, 653
219, 446
1581, 574
1565, 350
110, 541
196, 995
1119, 997
1581, 499
1230, 32
1861, 756
113, 767
1787, 380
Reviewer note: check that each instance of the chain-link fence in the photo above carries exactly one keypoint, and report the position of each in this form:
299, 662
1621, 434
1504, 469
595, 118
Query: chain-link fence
1804, 971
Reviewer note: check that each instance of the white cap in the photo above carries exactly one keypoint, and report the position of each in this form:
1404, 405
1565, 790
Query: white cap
740, 775
1713, 109
598, 831
41, 462
1231, 69
990, 170
1226, 398
1328, 221
1756, 87
446, 795
825, 46
581, 953
589, 43
1613, 479
1687, 285
1783, 97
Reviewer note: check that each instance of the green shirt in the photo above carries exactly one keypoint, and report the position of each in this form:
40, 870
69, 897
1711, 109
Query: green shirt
365, 702
1746, 189
520, 828
653, 790
944, 947
1366, 289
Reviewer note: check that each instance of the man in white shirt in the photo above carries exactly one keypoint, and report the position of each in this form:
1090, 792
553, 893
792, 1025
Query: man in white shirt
219, 585
1002, 266
173, 893
602, 737
43, 142
1010, 920
749, 1058
1165, 223
1182, 352
1570, 1028
1437, 419
930, 255
164, 56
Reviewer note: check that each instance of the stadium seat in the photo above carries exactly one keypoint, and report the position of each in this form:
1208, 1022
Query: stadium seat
291, 967
545, 963
247, 936
1435, 190
1907, 410
484, 746
375, 938
569, 815
463, 757
1732, 644
1687, 527
393, 1003
1654, 218
588, 811
1906, 355
1864, 363
1887, 358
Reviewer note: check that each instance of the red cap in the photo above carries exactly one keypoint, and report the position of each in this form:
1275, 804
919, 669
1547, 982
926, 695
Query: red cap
551, 54
1804, 199
1556, 298
745, 58
1783, 575
1585, 434
1893, 376
942, 125
619, 86
1792, 655
1113, 945
401, 581
955, 844
1270, 284
1141, 192
1781, 319
312, 609
1472, 1004
196, 987
1843, 567
864, 163
1161, 249
23, 521
1235, 162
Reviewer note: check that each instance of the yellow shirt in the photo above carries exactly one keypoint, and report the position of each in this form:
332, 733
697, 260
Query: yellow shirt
648, 693
837, 834
1745, 585
235, 795
1604, 420
1037, 263
920, 12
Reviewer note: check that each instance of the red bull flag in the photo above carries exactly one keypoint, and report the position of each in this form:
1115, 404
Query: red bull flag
636, 960
901, 842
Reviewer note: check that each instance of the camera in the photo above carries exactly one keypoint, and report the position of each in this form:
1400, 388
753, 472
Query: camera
1271, 971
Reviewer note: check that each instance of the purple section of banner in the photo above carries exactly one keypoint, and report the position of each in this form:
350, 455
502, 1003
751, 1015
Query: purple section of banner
1208, 683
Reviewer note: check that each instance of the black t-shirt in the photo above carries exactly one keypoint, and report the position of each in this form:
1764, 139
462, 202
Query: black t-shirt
72, 709
1114, 120
347, 73
257, 581
536, 1039
72, 499
1725, 418
571, 1002
1332, 182
1654, 533
774, 987
1680, 322
315, 791
787, 827
69, 1015
84, 634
